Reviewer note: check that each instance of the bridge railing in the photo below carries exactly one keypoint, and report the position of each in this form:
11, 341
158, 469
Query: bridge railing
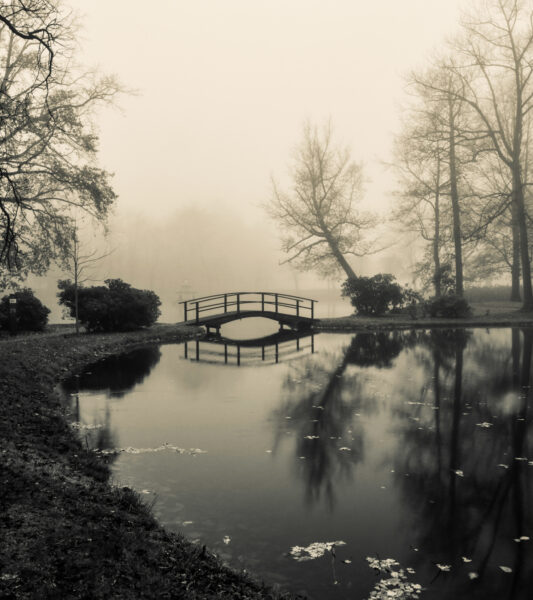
241, 301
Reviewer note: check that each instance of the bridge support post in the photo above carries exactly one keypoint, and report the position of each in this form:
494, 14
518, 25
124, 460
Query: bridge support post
186, 350
197, 313
197, 350
297, 308
277, 352
276, 302
225, 354
238, 355
185, 311
262, 353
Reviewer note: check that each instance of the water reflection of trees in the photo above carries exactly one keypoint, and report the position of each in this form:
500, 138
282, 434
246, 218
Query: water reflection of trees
116, 375
321, 396
475, 419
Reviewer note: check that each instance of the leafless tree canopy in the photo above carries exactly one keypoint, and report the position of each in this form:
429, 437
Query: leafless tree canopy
318, 216
48, 146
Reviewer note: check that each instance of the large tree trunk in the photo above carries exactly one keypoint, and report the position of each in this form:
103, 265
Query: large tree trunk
436, 238
339, 256
457, 238
515, 266
518, 200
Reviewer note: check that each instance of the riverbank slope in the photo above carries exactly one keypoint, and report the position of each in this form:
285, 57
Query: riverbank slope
65, 532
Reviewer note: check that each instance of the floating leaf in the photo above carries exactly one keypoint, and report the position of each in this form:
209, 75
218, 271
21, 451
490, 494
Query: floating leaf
473, 575
344, 449
459, 473
314, 550
311, 437
445, 568
226, 539
485, 424
465, 559
506, 569
503, 466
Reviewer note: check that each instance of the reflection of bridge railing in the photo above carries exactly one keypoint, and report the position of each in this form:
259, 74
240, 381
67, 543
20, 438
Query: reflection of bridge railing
206, 309
271, 349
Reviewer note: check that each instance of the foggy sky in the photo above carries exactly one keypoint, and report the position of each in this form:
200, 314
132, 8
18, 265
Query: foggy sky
223, 88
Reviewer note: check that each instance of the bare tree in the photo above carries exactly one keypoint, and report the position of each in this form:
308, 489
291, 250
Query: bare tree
78, 263
318, 217
48, 147
492, 66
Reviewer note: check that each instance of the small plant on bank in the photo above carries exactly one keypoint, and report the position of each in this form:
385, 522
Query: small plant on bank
114, 307
378, 294
30, 313
449, 306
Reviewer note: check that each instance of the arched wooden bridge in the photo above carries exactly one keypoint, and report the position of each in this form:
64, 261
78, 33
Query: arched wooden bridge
213, 311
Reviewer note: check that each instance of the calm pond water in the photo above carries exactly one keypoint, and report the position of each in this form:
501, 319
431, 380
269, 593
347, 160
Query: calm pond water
412, 446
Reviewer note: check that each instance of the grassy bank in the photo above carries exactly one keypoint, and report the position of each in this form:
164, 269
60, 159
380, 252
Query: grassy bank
484, 314
65, 532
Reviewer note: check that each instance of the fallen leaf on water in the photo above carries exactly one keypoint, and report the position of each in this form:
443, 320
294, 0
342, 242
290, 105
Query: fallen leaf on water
314, 550
466, 560
445, 568
506, 569
311, 437
485, 424
345, 449
226, 539
473, 575
459, 473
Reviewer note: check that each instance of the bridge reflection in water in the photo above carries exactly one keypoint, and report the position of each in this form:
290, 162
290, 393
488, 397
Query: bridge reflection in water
282, 346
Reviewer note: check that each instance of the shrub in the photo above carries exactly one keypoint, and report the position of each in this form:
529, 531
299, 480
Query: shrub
378, 294
114, 307
31, 314
448, 306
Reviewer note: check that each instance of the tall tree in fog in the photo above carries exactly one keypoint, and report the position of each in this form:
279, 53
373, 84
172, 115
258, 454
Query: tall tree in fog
433, 154
419, 163
493, 66
48, 146
320, 223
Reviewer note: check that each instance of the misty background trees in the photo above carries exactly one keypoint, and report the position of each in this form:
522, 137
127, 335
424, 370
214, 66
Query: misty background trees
467, 142
461, 205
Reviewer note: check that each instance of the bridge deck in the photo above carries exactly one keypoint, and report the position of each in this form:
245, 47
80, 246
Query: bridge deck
296, 321
214, 311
